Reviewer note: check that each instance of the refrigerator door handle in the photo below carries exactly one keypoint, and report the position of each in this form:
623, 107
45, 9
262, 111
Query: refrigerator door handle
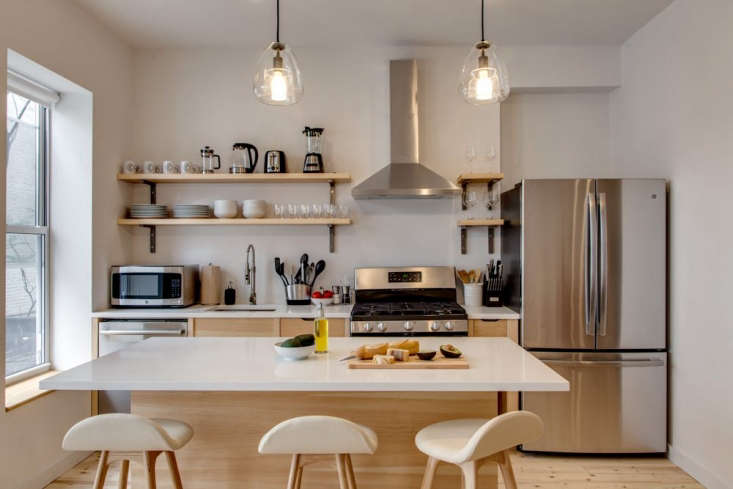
645, 362
590, 262
603, 265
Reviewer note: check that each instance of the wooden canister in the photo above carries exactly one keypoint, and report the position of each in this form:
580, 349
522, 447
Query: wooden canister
210, 285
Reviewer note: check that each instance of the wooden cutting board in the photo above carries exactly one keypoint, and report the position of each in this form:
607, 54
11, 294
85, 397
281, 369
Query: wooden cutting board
414, 363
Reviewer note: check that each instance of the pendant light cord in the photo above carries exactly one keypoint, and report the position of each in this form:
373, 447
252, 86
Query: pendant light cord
482, 20
277, 30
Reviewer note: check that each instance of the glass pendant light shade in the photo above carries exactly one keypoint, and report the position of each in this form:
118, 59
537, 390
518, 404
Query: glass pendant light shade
484, 78
277, 80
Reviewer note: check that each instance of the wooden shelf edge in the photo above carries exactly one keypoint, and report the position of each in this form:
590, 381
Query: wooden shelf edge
123, 221
234, 178
480, 222
479, 177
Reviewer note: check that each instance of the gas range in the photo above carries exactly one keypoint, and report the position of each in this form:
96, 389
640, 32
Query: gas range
407, 301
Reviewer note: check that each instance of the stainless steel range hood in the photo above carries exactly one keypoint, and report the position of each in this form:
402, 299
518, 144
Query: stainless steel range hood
404, 177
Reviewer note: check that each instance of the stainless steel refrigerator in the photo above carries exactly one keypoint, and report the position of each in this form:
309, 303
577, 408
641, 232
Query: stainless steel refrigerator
585, 261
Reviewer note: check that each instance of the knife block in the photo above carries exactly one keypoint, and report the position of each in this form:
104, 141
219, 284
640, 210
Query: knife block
493, 294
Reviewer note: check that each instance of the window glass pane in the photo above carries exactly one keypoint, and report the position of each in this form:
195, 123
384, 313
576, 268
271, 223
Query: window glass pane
24, 157
24, 340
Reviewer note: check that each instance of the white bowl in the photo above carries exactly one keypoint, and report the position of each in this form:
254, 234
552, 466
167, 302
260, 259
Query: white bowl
225, 208
254, 209
325, 301
294, 353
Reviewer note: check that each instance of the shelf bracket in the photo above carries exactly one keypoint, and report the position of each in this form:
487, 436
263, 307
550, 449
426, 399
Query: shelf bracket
464, 249
332, 193
152, 236
331, 238
153, 190
464, 187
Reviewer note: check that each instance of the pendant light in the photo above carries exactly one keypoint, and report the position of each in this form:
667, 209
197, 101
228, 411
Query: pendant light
484, 78
277, 79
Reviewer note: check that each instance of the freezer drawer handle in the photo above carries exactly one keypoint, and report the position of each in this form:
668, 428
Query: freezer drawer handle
157, 332
646, 362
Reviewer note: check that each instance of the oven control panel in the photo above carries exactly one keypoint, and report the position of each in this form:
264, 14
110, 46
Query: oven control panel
404, 277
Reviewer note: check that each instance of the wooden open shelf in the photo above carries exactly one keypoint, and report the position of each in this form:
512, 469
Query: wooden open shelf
234, 178
123, 221
479, 178
481, 222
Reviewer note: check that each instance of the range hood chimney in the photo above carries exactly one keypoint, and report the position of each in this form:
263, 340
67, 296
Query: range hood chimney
404, 177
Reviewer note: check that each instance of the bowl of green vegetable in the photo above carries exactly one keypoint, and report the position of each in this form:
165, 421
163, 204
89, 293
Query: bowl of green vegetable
296, 348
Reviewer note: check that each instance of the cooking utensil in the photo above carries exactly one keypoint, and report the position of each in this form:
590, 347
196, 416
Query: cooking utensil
298, 294
279, 270
244, 157
304, 267
319, 268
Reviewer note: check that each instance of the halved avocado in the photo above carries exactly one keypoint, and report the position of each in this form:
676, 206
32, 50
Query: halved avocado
306, 339
450, 351
291, 343
426, 355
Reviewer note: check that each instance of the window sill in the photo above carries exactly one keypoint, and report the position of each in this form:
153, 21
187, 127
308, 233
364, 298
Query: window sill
22, 393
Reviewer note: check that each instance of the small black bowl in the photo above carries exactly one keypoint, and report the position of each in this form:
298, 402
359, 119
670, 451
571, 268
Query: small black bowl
426, 355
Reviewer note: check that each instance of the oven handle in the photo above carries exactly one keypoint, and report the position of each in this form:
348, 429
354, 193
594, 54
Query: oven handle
645, 362
144, 332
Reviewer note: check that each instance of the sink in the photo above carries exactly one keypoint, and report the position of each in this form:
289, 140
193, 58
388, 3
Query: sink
245, 307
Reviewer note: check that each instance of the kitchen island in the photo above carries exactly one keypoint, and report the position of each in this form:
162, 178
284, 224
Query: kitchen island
233, 390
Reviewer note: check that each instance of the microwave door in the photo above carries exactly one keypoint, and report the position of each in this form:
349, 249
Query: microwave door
559, 222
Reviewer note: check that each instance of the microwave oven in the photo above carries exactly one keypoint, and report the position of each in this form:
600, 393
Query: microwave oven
153, 286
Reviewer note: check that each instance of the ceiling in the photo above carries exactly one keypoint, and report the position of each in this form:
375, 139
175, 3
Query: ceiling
209, 23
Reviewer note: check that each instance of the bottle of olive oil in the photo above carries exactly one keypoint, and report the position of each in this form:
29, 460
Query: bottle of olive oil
321, 331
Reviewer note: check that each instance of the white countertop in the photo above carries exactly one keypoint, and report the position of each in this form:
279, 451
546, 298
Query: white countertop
280, 311
251, 364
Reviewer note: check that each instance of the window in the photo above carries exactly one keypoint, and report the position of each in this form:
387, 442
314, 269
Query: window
26, 237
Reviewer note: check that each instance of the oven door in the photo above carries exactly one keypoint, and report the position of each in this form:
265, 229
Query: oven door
146, 286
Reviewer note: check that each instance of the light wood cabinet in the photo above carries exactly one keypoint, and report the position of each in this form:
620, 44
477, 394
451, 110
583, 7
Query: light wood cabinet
232, 327
508, 401
296, 326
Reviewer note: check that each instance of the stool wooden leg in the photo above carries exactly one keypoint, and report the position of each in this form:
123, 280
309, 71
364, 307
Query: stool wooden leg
351, 479
430, 468
149, 465
101, 474
294, 465
341, 467
507, 471
299, 477
470, 474
173, 467
124, 470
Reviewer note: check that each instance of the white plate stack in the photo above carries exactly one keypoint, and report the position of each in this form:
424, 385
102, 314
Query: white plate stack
189, 211
148, 211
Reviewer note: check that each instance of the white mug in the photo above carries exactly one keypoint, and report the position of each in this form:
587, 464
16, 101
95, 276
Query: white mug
170, 167
129, 166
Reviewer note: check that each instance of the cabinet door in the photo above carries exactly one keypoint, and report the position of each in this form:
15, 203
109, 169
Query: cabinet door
296, 326
231, 327
487, 328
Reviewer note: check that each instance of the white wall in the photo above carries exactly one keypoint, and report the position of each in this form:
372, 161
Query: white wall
555, 135
66, 40
672, 118
187, 98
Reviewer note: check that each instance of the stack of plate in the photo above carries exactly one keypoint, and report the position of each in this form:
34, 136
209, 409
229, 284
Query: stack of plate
182, 211
148, 211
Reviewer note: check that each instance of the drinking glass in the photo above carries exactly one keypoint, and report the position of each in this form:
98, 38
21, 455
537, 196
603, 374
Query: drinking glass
304, 210
343, 211
316, 210
292, 210
329, 210
278, 210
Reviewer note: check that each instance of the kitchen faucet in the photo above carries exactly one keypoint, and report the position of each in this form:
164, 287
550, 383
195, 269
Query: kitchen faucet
250, 273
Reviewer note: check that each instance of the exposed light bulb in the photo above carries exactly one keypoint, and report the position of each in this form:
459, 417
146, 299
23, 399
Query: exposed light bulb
278, 86
484, 83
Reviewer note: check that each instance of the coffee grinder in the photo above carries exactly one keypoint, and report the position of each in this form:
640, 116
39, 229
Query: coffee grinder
313, 159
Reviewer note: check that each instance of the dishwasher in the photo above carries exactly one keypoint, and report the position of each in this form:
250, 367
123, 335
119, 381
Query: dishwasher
117, 334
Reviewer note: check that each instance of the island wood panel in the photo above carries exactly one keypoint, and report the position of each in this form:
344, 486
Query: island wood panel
228, 426
295, 326
508, 401
235, 327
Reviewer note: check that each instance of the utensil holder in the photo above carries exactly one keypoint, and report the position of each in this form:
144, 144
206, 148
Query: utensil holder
472, 294
298, 295
493, 292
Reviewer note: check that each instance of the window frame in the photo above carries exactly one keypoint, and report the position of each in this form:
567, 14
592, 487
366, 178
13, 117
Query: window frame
41, 228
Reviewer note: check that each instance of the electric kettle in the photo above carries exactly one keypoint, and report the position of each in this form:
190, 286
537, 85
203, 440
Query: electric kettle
244, 159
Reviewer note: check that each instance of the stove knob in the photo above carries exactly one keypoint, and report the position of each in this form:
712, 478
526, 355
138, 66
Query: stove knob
381, 327
408, 326
366, 327
434, 325
448, 325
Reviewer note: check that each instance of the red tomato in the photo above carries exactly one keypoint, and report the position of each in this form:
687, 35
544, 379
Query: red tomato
327, 294
317, 295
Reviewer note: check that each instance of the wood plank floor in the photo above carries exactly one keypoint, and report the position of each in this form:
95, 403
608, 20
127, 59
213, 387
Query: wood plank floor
532, 471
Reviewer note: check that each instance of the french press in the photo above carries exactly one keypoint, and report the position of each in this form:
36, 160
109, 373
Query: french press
207, 160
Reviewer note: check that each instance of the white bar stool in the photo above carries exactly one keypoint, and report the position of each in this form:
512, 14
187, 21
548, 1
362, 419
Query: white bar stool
470, 443
130, 437
318, 436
